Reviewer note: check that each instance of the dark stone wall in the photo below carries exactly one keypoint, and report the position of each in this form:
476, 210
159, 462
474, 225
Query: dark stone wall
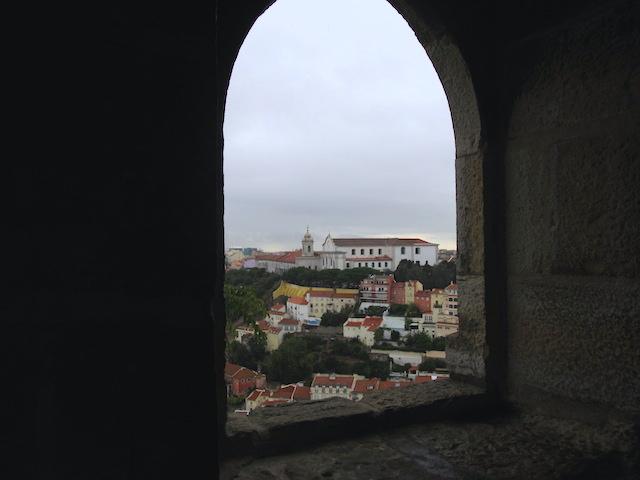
572, 207
115, 248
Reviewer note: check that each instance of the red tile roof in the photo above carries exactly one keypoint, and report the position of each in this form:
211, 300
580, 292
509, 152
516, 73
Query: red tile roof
297, 300
390, 241
231, 368
267, 327
328, 294
422, 379
353, 323
278, 307
370, 323
238, 372
366, 385
328, 379
390, 384
288, 321
302, 393
286, 257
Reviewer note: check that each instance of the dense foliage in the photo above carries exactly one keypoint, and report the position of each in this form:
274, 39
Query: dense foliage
332, 278
335, 319
300, 356
242, 304
438, 276
263, 282
422, 342
430, 364
375, 310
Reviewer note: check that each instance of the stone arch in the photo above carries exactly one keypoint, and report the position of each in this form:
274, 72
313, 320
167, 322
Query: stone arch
468, 351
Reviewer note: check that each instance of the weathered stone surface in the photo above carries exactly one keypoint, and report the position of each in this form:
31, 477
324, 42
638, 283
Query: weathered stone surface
572, 210
466, 349
586, 334
271, 429
470, 214
531, 447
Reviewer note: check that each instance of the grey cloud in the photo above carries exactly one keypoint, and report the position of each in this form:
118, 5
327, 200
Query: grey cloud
328, 112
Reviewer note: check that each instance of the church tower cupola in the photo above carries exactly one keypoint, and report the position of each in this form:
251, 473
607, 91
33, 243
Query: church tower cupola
307, 245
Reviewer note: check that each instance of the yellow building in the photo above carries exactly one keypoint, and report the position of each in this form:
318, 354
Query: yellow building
322, 301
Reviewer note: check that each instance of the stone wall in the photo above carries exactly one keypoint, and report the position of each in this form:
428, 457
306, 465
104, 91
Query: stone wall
572, 209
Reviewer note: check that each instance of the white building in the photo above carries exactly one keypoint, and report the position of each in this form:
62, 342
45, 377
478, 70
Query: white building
306, 257
382, 253
327, 385
298, 308
364, 329
450, 307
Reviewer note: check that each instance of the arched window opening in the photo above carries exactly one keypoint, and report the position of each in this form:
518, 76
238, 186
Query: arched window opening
336, 118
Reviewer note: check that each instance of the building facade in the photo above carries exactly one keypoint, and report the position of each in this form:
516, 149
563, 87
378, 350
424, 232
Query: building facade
321, 302
376, 289
382, 253
364, 329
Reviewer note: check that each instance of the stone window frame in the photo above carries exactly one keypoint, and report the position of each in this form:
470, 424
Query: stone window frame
477, 355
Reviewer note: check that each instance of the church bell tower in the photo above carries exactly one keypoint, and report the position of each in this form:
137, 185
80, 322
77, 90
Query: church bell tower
307, 245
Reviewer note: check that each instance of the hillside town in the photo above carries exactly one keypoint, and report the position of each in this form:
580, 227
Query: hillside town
314, 342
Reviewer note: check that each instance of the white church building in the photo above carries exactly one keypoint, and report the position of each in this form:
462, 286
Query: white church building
343, 253
382, 253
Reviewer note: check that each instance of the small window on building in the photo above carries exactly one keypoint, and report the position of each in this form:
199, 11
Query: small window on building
402, 250
385, 264
359, 264
353, 251
379, 264
417, 249
347, 264
379, 251
362, 251
371, 251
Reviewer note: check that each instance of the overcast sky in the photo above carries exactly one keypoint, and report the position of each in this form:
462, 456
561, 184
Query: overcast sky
336, 119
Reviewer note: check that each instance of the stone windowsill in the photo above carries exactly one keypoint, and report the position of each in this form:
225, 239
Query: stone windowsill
293, 426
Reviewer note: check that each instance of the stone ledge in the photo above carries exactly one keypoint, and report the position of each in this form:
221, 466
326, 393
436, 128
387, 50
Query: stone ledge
277, 429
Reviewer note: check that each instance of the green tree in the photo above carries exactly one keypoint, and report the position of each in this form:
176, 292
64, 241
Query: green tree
292, 362
420, 342
438, 276
413, 311
430, 364
242, 304
335, 319
239, 354
375, 310
378, 335
263, 282
398, 310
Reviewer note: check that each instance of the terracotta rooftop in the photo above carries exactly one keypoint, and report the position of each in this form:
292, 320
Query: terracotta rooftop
389, 241
314, 293
370, 323
321, 379
366, 385
285, 257
390, 384
297, 300
237, 371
